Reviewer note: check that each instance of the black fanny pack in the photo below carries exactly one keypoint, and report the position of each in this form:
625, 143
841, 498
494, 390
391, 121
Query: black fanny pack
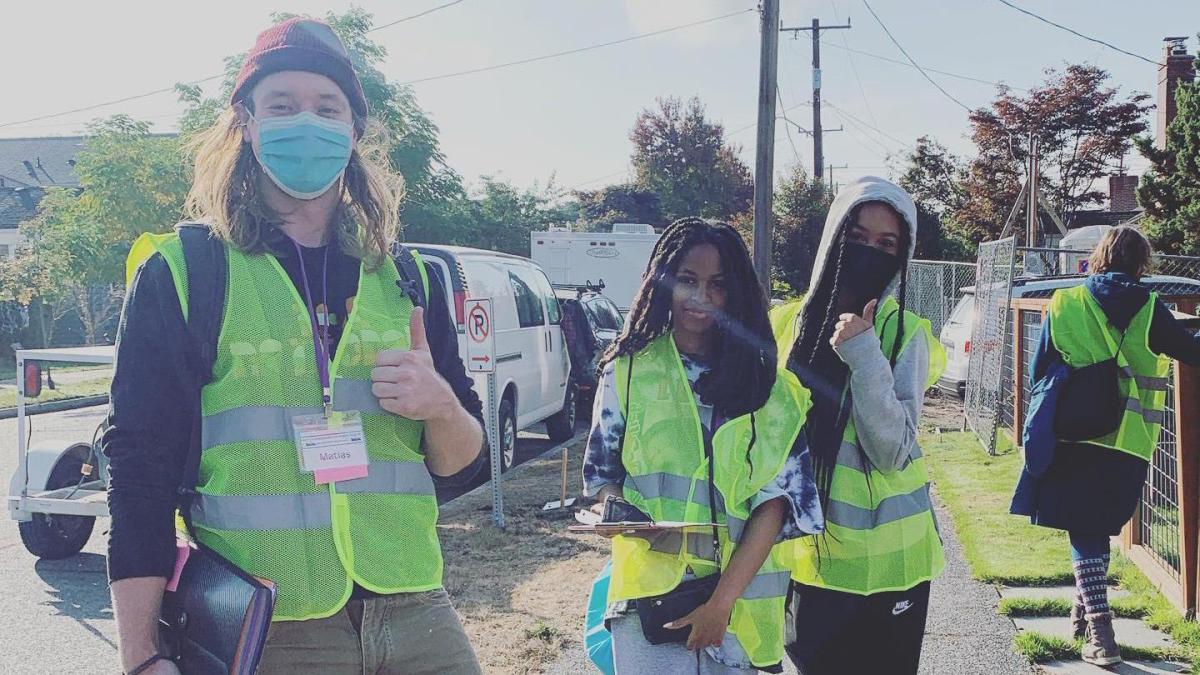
1090, 404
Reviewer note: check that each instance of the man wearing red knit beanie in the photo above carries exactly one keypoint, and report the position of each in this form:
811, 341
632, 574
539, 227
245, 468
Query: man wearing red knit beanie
316, 418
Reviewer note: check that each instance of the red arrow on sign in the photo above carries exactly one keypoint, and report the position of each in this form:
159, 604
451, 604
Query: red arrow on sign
485, 359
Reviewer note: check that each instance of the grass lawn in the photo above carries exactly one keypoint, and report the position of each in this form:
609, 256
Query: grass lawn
1006, 549
1001, 548
89, 387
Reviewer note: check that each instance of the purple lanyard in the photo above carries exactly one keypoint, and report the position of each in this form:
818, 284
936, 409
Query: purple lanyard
320, 331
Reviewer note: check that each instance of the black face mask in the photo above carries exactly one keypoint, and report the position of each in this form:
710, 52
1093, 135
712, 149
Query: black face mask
866, 271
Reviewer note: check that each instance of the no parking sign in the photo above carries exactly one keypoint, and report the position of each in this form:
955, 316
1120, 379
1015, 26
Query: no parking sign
481, 339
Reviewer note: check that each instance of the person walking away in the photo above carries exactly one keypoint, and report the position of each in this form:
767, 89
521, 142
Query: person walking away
694, 421
1092, 488
315, 325
860, 591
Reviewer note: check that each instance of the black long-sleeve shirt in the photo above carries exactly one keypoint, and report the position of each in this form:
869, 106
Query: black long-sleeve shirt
154, 400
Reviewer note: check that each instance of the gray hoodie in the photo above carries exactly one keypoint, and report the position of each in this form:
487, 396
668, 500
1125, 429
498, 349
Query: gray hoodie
886, 401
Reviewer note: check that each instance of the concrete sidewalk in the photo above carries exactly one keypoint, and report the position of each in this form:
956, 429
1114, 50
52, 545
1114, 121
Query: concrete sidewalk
964, 634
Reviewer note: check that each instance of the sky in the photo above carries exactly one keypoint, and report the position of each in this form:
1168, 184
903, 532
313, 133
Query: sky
567, 119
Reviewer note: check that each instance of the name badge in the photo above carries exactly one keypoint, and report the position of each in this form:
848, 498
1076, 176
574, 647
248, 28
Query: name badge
331, 448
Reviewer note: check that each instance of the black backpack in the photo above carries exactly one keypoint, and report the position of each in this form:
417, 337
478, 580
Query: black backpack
1090, 404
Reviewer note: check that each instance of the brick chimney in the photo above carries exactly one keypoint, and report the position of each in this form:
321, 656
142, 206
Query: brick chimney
1178, 65
1122, 193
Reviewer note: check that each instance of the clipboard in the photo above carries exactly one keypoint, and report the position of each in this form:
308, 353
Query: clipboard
589, 526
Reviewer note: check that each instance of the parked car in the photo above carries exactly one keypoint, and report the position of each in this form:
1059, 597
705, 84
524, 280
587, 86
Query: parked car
956, 333
533, 369
591, 322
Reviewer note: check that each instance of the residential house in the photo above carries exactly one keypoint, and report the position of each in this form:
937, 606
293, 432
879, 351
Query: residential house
28, 167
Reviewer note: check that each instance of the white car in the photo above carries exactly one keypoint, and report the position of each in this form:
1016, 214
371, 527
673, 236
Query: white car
956, 334
533, 368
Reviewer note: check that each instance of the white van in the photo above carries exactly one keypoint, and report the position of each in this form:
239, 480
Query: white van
956, 334
532, 366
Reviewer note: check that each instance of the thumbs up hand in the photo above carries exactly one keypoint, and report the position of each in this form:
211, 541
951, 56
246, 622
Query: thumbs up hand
851, 325
406, 382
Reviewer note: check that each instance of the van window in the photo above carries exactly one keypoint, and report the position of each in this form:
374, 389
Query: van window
487, 279
604, 313
542, 285
529, 303
962, 311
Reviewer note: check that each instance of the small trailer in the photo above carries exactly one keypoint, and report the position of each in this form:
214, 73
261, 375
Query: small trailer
57, 490
614, 259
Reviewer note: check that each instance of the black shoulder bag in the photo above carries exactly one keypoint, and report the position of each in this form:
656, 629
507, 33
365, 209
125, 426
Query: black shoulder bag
1090, 405
659, 610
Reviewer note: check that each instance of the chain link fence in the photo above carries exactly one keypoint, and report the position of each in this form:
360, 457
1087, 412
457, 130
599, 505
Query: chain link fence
934, 288
993, 284
1041, 262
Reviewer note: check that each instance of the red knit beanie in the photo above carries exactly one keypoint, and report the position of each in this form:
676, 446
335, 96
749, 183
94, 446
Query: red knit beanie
300, 44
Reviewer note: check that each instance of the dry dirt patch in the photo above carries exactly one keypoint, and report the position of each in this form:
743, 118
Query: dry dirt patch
522, 592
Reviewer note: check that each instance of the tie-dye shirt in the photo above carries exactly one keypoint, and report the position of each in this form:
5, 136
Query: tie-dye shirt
602, 461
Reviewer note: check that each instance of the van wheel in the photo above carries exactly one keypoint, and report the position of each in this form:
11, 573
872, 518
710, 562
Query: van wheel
52, 536
561, 425
508, 435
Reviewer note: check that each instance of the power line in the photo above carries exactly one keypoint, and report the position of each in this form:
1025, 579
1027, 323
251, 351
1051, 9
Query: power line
577, 50
906, 64
415, 16
876, 129
787, 129
964, 106
1077, 33
853, 66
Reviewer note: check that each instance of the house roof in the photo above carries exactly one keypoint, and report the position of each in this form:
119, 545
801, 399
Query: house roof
39, 162
18, 205
1098, 217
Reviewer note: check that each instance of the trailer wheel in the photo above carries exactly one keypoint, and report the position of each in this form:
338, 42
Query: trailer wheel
52, 536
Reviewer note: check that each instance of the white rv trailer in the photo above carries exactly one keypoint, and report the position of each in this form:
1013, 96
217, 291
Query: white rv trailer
616, 258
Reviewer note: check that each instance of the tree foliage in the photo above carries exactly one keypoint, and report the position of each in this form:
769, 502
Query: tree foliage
620, 203
1170, 189
800, 206
683, 157
1084, 127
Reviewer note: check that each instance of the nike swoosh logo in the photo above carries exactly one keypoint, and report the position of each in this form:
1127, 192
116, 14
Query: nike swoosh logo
901, 607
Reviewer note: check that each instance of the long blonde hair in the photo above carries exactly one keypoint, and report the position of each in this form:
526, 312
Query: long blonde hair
225, 192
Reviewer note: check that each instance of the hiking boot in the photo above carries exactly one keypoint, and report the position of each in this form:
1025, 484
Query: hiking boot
1100, 648
1078, 620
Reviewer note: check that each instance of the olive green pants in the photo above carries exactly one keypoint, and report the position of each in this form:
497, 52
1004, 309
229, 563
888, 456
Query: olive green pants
409, 634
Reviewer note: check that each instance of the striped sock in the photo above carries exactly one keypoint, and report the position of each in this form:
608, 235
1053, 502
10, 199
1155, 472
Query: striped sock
1091, 580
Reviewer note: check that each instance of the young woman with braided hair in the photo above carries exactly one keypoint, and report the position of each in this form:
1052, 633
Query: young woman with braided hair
694, 422
861, 589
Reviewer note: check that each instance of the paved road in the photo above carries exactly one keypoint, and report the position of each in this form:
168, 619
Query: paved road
55, 616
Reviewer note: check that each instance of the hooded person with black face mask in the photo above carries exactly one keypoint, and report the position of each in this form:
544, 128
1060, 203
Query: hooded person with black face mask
868, 363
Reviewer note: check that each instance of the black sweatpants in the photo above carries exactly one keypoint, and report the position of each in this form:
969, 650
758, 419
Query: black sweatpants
835, 633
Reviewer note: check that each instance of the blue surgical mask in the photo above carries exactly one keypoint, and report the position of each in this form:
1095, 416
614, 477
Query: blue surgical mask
304, 154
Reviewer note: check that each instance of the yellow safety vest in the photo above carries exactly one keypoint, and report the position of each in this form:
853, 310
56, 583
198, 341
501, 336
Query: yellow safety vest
880, 531
1083, 335
667, 477
255, 506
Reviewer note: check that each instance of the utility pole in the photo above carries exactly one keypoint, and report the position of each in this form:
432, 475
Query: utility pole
1033, 227
764, 162
818, 145
831, 167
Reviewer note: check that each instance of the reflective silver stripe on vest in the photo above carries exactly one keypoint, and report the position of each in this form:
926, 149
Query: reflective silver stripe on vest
309, 510
850, 457
355, 395
274, 423
767, 585
664, 485
890, 509
251, 423
1134, 406
1145, 382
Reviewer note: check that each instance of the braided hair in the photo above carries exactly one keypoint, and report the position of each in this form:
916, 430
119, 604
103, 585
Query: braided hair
743, 370
821, 370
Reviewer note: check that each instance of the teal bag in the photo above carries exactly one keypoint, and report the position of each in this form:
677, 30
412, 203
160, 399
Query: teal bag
596, 638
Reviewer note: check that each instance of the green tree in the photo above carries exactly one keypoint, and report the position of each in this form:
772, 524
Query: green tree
683, 158
620, 203
800, 206
1170, 189
131, 182
1083, 127
501, 216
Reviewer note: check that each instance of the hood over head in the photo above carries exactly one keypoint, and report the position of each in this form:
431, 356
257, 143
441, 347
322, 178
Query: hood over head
860, 191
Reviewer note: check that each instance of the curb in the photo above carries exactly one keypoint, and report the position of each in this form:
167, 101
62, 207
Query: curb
57, 406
